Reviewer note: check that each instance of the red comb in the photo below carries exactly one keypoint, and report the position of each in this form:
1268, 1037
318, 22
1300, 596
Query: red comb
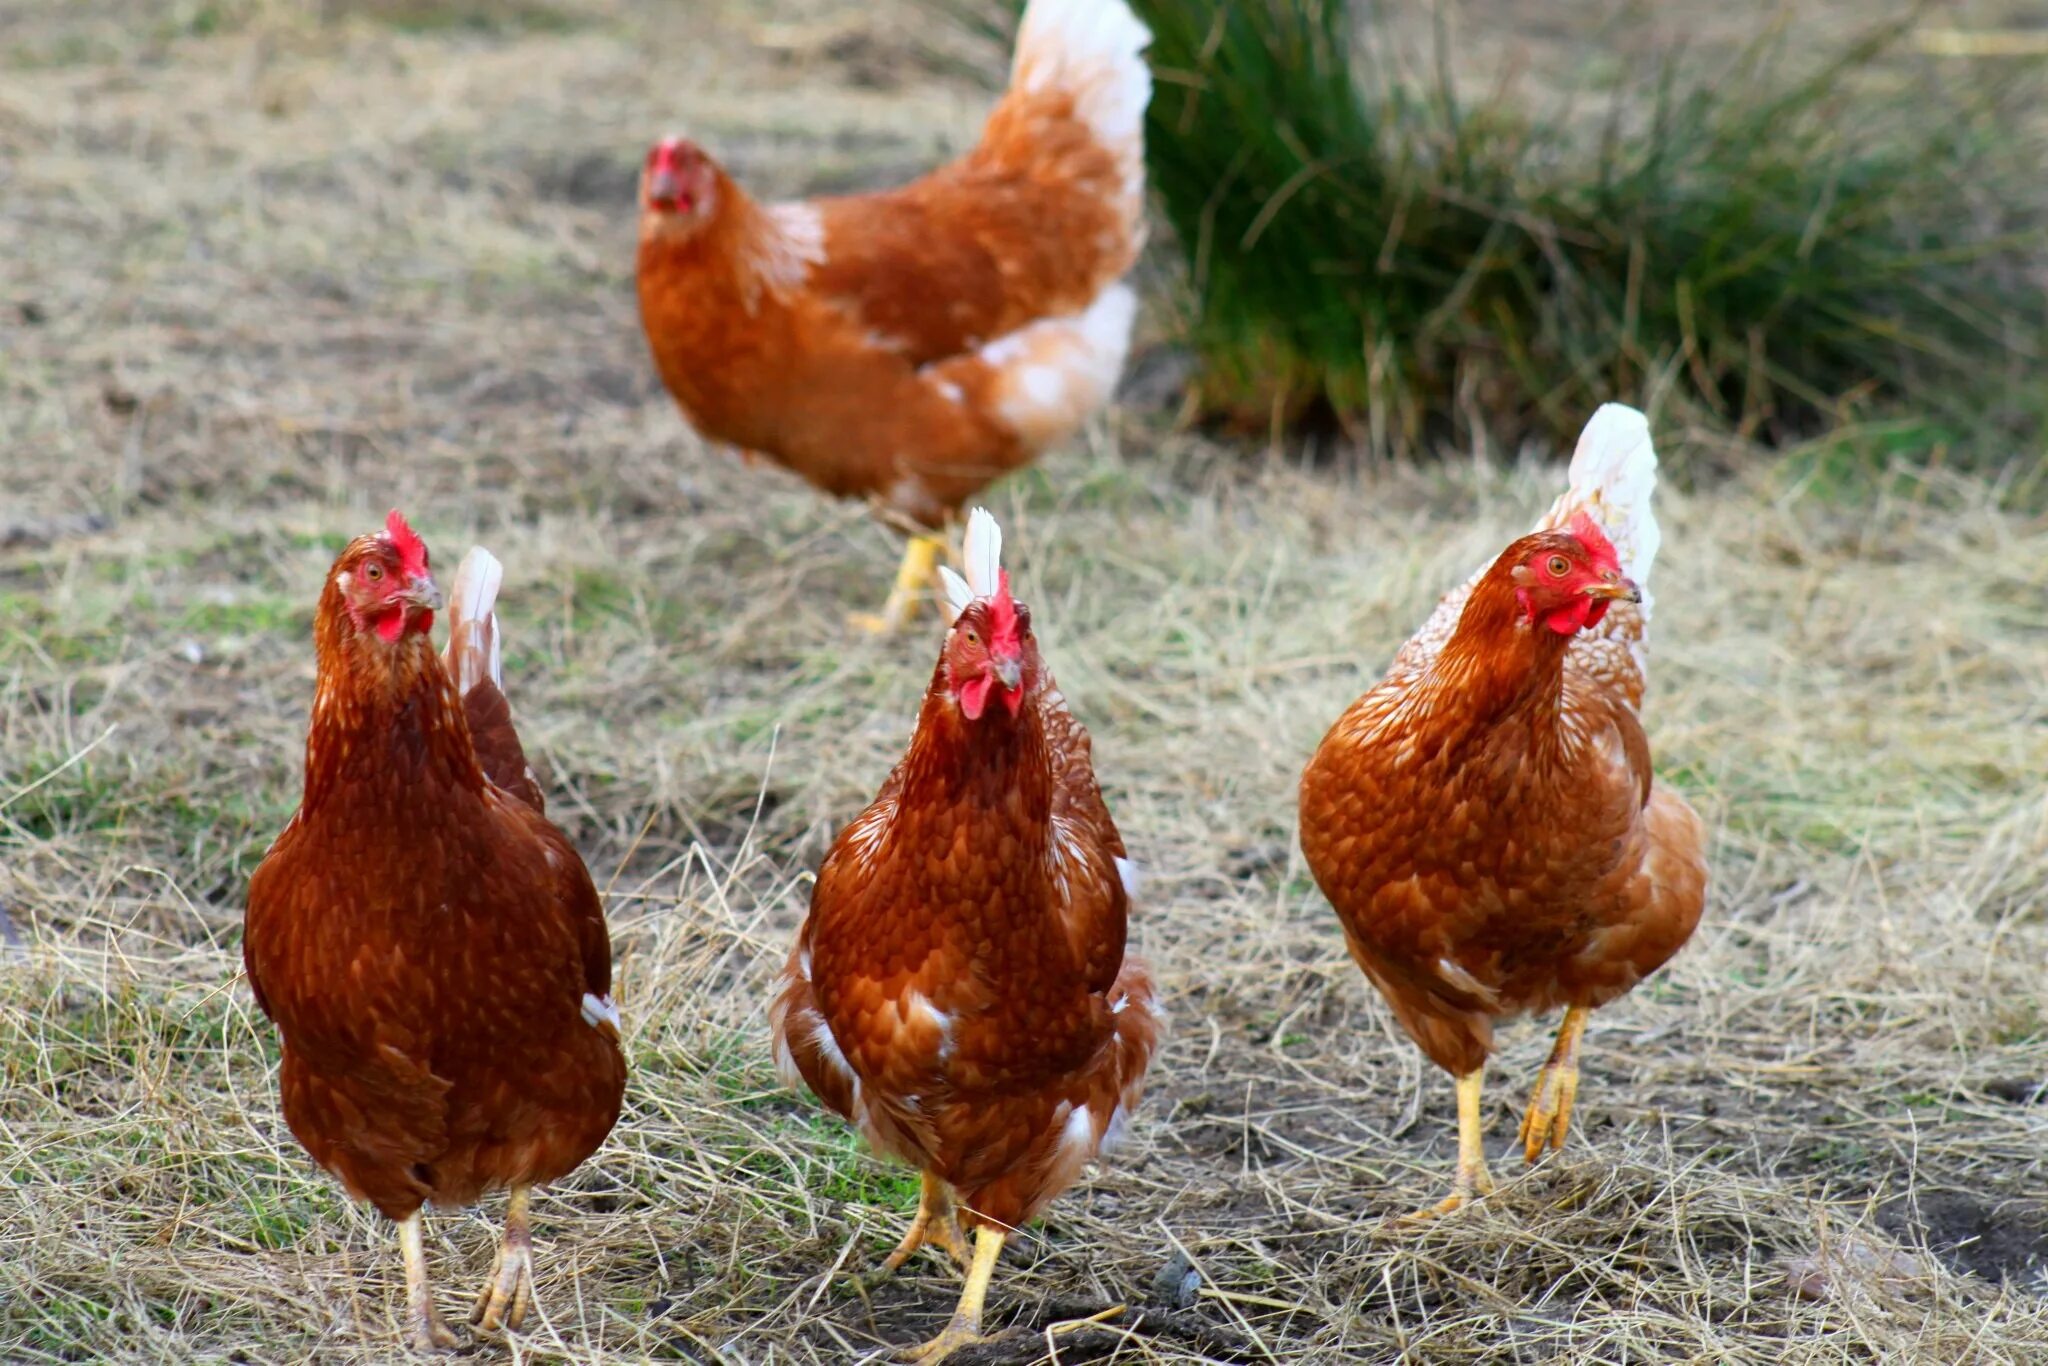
676, 153
412, 551
1005, 637
1594, 539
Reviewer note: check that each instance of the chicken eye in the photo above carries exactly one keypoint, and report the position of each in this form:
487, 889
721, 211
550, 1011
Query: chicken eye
1559, 565
373, 572
972, 639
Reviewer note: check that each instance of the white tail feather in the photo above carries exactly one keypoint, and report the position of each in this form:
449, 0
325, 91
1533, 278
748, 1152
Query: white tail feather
1613, 475
473, 650
958, 594
600, 1010
1091, 49
1050, 376
984, 562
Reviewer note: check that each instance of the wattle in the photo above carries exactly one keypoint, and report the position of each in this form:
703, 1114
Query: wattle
974, 697
1574, 616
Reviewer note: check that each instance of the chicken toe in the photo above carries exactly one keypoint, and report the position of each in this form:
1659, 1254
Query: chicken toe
936, 1225
506, 1294
965, 1328
1550, 1105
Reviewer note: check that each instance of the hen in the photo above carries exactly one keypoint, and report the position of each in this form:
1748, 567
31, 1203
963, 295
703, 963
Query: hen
912, 345
960, 990
429, 945
1485, 821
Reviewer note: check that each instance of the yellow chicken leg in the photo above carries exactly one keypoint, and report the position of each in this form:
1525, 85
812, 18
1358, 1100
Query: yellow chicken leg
935, 1224
913, 580
429, 1334
1550, 1107
1473, 1178
509, 1289
965, 1329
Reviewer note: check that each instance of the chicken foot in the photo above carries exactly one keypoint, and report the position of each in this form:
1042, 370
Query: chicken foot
913, 580
1550, 1106
965, 1328
1473, 1179
936, 1223
429, 1334
509, 1289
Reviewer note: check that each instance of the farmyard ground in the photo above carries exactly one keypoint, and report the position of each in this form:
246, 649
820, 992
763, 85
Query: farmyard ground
265, 271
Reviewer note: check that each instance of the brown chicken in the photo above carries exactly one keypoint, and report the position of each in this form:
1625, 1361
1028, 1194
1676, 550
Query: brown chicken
912, 345
1485, 821
960, 990
429, 945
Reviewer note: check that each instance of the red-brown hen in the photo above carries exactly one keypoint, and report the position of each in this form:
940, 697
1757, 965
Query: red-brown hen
429, 945
1485, 821
911, 345
960, 991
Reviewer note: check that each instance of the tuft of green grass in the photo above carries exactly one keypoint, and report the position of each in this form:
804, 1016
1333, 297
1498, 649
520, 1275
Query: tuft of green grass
1771, 248
1774, 249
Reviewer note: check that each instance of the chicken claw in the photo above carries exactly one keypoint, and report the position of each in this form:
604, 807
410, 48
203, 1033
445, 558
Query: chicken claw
509, 1290
1473, 1179
965, 1328
936, 1224
428, 1333
1550, 1106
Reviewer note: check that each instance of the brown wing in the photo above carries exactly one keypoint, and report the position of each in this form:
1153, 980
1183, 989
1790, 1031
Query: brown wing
1033, 223
579, 901
966, 255
1088, 851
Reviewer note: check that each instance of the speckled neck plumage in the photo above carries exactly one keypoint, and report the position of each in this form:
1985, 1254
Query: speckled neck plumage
1497, 661
383, 715
999, 762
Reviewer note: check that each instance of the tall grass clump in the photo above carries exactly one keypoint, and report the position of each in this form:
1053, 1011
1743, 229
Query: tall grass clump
1773, 249
1769, 246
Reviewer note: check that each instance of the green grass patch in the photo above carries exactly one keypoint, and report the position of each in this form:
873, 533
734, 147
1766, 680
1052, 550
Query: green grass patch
1769, 244
1773, 248
86, 796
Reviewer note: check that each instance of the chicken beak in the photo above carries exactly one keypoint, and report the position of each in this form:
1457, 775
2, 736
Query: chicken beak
422, 592
1615, 588
664, 190
1009, 671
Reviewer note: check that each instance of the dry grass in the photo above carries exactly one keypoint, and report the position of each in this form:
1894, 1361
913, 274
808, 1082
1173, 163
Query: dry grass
284, 272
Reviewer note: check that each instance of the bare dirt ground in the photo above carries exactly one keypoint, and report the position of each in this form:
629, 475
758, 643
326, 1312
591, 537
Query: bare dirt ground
268, 269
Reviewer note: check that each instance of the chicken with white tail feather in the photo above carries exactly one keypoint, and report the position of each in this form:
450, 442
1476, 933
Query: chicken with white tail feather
430, 946
910, 346
960, 990
1485, 821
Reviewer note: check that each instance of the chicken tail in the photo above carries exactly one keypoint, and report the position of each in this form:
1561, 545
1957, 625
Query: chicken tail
983, 561
474, 662
1080, 60
1613, 474
473, 653
1042, 381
